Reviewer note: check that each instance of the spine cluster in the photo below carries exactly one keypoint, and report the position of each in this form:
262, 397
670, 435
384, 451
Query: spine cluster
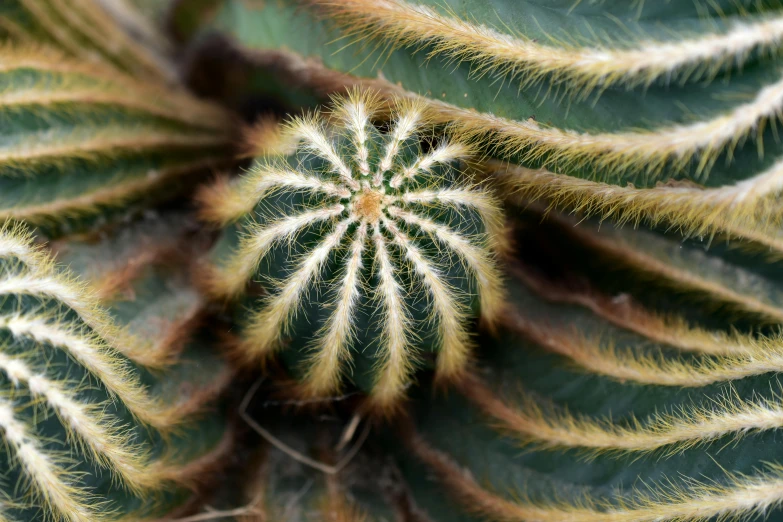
392, 223
80, 425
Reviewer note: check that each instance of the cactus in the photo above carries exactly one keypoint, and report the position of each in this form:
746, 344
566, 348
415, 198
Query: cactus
633, 376
579, 371
82, 142
89, 432
626, 110
593, 405
106, 32
377, 239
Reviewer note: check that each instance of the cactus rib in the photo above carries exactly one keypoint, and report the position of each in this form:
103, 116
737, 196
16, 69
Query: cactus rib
580, 68
674, 267
743, 496
628, 365
670, 330
48, 477
89, 350
747, 209
648, 151
82, 140
544, 425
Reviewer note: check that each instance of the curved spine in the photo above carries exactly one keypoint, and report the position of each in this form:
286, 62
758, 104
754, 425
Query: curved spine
747, 209
630, 365
105, 443
703, 275
396, 366
741, 496
96, 356
579, 68
47, 476
265, 327
231, 279
543, 425
454, 341
332, 346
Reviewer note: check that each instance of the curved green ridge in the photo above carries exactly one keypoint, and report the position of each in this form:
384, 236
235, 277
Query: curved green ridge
198, 368
511, 364
80, 143
272, 27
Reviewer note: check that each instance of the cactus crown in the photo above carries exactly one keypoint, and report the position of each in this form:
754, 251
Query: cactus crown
392, 226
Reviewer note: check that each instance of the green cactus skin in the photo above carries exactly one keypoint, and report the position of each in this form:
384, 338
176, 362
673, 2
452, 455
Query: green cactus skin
381, 246
81, 142
585, 97
89, 433
599, 401
106, 32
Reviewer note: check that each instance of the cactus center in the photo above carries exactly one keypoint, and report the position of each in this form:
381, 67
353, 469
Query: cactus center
368, 205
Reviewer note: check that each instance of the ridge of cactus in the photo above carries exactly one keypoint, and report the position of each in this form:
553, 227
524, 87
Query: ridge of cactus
89, 433
83, 142
672, 146
732, 210
700, 164
608, 400
745, 496
665, 328
361, 213
707, 278
580, 66
91, 31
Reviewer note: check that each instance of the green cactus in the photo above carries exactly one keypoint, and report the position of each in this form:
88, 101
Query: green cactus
83, 141
680, 101
570, 370
634, 376
80, 141
111, 33
593, 406
89, 431
367, 234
